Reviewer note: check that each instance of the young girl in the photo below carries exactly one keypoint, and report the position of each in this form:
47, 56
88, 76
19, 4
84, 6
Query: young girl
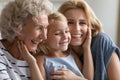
56, 57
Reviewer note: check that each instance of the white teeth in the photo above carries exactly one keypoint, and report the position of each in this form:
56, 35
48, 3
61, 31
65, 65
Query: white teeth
34, 42
76, 36
64, 42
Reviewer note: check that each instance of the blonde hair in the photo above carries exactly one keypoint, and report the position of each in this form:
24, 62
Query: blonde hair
56, 16
15, 13
93, 21
52, 18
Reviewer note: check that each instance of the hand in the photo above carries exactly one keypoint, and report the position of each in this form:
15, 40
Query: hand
25, 53
87, 41
65, 74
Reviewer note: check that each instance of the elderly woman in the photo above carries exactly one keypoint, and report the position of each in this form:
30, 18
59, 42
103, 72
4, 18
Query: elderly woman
23, 26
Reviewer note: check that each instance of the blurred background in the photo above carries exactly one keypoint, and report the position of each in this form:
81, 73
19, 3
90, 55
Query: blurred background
108, 11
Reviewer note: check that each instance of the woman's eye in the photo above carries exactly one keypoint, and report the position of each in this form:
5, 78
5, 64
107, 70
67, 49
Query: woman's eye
69, 23
82, 23
39, 27
67, 31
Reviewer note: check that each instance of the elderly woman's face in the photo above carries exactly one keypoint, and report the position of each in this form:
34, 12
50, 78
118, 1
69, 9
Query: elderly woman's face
34, 32
77, 22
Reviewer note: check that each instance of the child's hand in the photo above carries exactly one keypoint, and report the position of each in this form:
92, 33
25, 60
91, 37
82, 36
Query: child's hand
65, 74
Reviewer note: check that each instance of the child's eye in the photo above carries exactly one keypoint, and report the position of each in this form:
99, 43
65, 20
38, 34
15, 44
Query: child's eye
67, 31
57, 33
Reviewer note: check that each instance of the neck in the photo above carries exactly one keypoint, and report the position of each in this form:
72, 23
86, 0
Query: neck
12, 48
57, 54
77, 50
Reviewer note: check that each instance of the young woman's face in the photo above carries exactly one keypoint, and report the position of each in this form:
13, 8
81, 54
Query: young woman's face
77, 23
58, 36
34, 32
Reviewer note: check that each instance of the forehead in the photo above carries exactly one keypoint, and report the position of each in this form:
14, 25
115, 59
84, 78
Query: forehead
41, 20
75, 14
58, 25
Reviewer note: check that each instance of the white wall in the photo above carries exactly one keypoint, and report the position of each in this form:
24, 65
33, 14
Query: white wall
106, 11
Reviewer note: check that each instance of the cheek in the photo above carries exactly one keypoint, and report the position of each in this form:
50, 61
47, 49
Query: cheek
69, 37
51, 44
20, 37
85, 30
71, 29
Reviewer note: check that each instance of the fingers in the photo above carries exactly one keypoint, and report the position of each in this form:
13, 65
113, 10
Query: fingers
56, 77
19, 46
89, 33
22, 48
58, 74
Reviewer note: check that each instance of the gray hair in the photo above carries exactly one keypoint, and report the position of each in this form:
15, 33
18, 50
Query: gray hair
15, 13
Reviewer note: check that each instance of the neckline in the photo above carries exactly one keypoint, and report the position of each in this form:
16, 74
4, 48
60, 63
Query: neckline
58, 57
8, 54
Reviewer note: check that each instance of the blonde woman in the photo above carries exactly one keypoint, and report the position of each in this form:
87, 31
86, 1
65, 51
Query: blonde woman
105, 53
23, 25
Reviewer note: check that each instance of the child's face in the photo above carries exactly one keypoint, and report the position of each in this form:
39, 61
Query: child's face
58, 36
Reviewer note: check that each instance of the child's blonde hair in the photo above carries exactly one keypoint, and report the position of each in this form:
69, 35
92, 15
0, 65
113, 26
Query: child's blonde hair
52, 18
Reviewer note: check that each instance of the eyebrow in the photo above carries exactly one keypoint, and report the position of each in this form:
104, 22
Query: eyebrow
79, 19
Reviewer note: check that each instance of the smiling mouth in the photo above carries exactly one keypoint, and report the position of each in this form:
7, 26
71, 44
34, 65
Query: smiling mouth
64, 42
34, 42
76, 36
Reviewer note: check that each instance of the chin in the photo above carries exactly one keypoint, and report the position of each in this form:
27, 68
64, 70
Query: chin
64, 49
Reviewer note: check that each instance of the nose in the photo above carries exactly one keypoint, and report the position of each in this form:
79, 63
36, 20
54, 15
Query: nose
65, 35
44, 34
77, 27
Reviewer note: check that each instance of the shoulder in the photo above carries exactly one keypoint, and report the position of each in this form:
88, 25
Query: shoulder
102, 39
101, 36
77, 60
104, 45
40, 58
2, 52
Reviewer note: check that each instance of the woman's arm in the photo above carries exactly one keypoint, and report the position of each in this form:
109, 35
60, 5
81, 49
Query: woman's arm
40, 62
35, 72
113, 69
88, 68
34, 69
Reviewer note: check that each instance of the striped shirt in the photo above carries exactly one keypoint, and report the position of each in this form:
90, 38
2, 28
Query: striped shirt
11, 68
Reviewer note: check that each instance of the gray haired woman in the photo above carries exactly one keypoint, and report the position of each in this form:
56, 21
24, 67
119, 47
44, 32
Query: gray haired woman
23, 25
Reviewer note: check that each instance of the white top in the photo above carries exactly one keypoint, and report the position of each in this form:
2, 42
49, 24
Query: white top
52, 64
11, 68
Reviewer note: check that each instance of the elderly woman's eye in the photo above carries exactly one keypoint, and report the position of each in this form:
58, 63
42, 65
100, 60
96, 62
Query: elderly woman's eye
39, 27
